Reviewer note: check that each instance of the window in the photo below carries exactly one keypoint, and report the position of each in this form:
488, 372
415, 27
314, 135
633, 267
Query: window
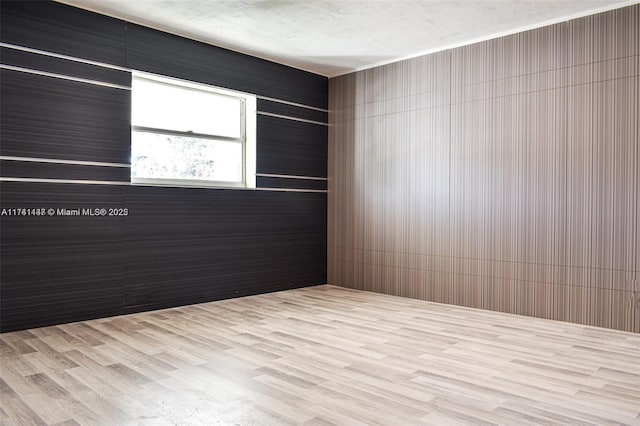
184, 133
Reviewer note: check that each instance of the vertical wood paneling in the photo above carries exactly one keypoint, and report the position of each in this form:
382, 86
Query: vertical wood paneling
501, 175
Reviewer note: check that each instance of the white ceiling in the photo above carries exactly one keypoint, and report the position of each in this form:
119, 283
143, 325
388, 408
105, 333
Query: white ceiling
333, 37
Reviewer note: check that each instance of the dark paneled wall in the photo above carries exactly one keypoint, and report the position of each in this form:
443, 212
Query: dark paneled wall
502, 175
64, 30
161, 53
47, 117
65, 144
291, 147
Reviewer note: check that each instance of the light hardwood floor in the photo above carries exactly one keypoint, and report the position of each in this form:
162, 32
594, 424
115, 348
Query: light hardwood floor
319, 356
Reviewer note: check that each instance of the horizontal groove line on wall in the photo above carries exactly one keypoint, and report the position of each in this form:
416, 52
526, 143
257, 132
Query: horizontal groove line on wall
357, 116
548, 89
99, 182
40, 170
61, 56
292, 103
292, 111
485, 260
290, 176
291, 118
490, 277
495, 281
32, 61
292, 189
63, 77
70, 181
56, 161
454, 272
103, 164
533, 73
457, 88
119, 68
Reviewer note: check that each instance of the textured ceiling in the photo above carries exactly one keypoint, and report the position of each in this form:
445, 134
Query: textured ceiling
333, 37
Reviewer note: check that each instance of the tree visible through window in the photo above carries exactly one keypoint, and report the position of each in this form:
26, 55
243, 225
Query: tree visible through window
190, 134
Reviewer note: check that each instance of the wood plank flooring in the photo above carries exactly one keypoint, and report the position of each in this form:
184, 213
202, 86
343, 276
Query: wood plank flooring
320, 356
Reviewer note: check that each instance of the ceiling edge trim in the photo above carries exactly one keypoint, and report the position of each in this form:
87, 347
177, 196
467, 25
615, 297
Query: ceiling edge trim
543, 24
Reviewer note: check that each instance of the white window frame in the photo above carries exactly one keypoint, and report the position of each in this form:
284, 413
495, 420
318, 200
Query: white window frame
247, 135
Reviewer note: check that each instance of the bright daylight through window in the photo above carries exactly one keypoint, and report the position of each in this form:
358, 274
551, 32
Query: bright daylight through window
184, 133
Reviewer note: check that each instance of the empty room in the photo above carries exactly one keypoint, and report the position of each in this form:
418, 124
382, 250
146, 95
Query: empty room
319, 212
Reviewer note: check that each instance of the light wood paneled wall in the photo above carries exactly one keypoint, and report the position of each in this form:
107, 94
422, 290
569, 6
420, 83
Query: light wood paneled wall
502, 175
